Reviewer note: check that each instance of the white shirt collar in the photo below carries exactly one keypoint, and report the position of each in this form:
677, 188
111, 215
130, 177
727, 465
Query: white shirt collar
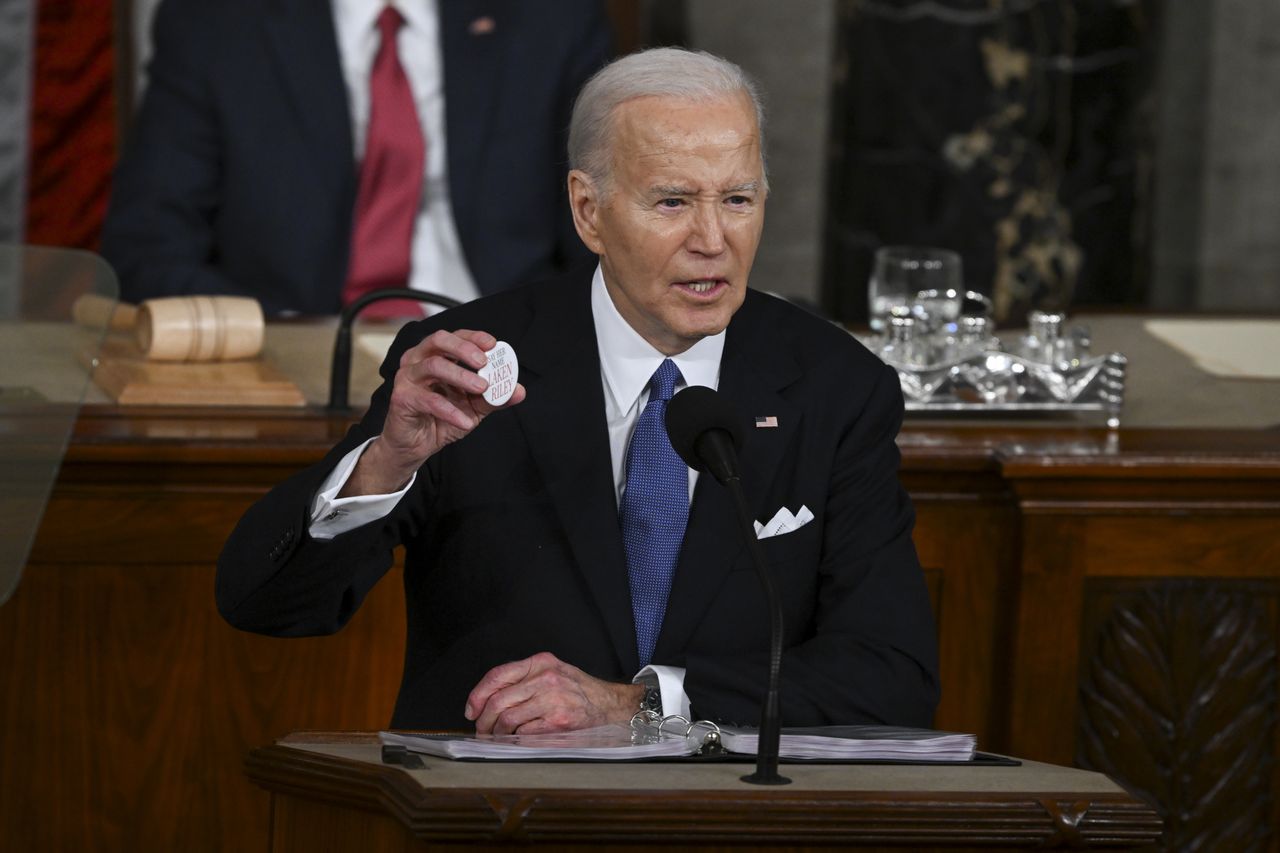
361, 16
628, 361
418, 15
356, 17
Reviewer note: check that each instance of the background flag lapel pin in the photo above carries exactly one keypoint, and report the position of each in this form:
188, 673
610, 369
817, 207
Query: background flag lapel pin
763, 422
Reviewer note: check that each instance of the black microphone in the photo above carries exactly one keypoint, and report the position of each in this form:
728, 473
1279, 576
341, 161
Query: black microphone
707, 432
340, 368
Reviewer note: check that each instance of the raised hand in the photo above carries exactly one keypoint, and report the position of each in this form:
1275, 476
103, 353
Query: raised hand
437, 399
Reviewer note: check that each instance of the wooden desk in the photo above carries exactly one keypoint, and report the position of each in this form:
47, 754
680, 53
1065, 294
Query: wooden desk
331, 792
1110, 599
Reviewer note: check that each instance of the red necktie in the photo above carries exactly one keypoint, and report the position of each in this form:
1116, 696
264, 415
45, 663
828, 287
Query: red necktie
390, 182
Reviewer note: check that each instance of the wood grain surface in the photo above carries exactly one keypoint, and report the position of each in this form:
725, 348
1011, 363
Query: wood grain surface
319, 798
129, 378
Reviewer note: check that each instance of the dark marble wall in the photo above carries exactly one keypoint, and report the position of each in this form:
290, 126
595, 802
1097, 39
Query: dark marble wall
1017, 132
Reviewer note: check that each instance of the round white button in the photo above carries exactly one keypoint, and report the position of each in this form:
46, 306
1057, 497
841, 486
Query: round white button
501, 371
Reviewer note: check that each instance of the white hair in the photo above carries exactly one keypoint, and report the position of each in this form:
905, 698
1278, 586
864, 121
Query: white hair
659, 72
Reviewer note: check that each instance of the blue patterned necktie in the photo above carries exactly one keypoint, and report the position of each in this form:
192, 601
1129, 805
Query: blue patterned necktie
655, 509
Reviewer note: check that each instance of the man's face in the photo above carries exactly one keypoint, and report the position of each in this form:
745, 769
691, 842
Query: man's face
678, 226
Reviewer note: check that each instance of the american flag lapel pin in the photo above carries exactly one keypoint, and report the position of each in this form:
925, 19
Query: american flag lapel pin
766, 421
482, 26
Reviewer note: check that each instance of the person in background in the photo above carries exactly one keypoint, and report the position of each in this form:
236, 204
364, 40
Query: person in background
563, 566
305, 152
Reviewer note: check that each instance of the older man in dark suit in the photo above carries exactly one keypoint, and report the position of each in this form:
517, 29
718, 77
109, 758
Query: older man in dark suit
561, 568
305, 151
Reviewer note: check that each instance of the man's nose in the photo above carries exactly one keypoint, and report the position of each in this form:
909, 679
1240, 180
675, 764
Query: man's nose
706, 236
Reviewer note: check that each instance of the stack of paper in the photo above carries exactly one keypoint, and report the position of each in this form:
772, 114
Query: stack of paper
865, 743
833, 743
601, 742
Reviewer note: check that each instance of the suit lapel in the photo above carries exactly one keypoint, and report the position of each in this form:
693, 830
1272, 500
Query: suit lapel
472, 37
563, 421
754, 370
302, 41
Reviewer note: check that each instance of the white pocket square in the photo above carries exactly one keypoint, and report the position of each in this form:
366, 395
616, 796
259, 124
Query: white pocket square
784, 522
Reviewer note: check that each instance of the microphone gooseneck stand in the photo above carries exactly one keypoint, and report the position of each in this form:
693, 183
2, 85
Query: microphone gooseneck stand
770, 722
705, 431
340, 368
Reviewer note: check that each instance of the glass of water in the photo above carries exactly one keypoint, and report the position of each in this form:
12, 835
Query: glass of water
902, 274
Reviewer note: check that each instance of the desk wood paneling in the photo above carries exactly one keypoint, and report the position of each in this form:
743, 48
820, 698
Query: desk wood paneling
128, 705
331, 791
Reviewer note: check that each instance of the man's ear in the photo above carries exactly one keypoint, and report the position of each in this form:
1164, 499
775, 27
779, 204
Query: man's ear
584, 202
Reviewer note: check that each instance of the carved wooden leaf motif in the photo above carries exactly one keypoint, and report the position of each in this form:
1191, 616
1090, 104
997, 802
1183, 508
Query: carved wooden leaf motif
1179, 703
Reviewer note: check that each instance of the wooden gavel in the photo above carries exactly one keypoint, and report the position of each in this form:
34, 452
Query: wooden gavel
181, 328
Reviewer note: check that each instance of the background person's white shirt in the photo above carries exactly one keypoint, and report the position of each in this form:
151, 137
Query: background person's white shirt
437, 261
627, 363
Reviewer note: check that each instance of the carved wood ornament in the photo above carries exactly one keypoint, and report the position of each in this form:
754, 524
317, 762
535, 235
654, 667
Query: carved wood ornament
1178, 702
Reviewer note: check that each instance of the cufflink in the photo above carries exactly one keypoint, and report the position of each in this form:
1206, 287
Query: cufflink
651, 700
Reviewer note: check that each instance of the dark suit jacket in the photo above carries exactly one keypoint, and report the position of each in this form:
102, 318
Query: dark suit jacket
239, 177
513, 543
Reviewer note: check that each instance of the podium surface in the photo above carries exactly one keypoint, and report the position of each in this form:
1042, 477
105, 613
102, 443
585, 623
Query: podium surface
331, 791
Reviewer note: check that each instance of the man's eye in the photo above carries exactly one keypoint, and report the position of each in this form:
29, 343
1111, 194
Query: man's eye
739, 199
670, 203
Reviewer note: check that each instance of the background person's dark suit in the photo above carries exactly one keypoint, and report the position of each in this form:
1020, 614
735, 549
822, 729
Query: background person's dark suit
240, 177
513, 543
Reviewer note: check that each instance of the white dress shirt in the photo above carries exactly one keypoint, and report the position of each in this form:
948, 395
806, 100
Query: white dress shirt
627, 363
437, 261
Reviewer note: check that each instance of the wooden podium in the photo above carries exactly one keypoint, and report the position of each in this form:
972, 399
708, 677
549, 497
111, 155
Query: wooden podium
1067, 564
331, 792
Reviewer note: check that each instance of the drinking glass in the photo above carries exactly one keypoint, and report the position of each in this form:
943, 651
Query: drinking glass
902, 274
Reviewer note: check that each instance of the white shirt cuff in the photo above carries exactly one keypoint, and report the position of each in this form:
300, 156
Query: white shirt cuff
332, 515
671, 685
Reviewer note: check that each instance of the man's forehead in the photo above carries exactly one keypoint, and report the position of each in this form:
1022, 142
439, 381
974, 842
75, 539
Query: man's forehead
655, 133
668, 118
